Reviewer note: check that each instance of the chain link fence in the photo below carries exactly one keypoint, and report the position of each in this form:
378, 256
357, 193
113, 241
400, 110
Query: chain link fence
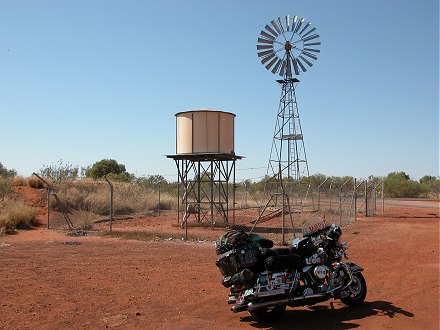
121, 206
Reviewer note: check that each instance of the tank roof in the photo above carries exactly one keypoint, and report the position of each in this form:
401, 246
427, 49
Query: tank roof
205, 110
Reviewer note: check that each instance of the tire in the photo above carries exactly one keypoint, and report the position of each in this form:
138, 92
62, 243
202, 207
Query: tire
357, 291
268, 314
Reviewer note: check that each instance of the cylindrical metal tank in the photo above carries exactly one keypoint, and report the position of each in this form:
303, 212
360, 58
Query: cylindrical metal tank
204, 131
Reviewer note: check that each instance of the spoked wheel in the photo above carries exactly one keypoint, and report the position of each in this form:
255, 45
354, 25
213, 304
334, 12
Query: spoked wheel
268, 314
357, 291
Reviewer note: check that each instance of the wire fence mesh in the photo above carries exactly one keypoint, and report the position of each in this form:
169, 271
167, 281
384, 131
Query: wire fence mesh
129, 206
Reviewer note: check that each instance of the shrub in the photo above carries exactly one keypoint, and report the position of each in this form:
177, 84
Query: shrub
5, 187
5, 173
60, 172
106, 167
17, 215
34, 182
19, 181
84, 219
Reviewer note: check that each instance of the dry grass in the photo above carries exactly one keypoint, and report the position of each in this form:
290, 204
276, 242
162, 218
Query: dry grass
84, 219
34, 182
19, 181
16, 215
5, 187
94, 196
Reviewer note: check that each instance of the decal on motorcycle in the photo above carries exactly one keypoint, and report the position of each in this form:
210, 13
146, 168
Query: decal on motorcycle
269, 293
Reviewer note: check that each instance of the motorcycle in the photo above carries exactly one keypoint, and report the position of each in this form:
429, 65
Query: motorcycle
264, 280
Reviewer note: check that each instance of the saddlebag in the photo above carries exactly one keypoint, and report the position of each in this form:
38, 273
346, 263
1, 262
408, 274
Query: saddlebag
242, 280
239, 258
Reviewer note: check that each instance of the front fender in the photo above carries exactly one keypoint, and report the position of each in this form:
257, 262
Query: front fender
354, 268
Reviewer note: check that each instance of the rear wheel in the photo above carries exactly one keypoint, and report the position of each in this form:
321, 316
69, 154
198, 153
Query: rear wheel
357, 291
268, 314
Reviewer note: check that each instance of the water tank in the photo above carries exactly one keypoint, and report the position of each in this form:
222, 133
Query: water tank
204, 131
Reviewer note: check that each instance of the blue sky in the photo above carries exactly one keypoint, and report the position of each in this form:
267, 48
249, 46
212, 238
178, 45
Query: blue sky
81, 81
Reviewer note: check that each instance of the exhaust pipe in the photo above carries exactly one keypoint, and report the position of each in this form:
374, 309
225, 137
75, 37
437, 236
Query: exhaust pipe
285, 301
252, 306
238, 308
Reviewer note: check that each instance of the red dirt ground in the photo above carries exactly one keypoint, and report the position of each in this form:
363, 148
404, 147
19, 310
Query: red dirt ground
127, 284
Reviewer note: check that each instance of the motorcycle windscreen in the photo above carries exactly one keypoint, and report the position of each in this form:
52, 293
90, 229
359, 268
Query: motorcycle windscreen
312, 224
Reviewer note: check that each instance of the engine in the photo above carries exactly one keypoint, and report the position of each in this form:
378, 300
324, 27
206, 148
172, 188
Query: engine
319, 257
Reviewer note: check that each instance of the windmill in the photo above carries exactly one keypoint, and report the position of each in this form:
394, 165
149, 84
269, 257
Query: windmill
288, 47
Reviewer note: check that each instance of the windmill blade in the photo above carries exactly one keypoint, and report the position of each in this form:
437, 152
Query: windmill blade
283, 68
312, 50
313, 44
301, 65
271, 56
275, 26
281, 24
299, 25
305, 35
264, 47
276, 47
295, 66
305, 27
267, 35
265, 53
265, 41
271, 63
311, 37
275, 68
305, 60
268, 28
310, 55
295, 19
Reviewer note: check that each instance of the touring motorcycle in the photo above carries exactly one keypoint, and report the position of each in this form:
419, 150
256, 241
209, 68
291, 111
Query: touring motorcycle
264, 280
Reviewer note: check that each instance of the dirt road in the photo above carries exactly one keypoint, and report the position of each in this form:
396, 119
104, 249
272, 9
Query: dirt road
53, 281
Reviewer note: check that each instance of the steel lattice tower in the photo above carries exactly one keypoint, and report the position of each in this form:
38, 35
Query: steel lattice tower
288, 159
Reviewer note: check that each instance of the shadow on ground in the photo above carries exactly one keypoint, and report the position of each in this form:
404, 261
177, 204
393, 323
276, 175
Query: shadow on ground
325, 316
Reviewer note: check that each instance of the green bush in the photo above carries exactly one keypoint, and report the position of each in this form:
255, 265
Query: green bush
109, 167
5, 173
5, 187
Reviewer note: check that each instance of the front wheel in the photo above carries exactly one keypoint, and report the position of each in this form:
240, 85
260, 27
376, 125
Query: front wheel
268, 314
357, 291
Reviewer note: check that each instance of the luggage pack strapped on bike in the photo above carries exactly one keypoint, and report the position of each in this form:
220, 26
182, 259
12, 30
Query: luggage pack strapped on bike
231, 239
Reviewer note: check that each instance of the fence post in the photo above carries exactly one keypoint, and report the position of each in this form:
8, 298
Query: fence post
340, 201
383, 202
330, 195
366, 198
48, 197
355, 199
111, 201
158, 205
319, 192
383, 199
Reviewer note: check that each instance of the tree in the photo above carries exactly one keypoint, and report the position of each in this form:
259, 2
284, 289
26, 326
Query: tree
399, 184
5, 173
430, 185
109, 167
